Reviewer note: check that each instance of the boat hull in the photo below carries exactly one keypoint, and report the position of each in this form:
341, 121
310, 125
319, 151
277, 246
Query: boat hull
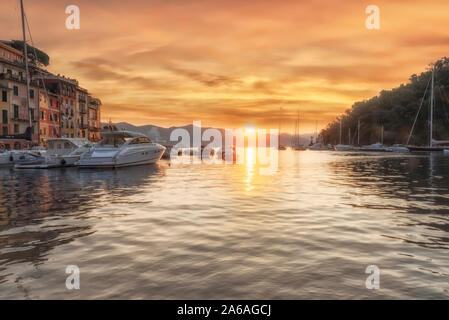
427, 149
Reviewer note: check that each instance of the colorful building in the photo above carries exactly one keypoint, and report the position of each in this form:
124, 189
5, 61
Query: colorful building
94, 117
66, 90
12, 77
49, 121
83, 123
58, 107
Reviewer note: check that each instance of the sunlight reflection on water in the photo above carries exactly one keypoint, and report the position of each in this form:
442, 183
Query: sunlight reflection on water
198, 231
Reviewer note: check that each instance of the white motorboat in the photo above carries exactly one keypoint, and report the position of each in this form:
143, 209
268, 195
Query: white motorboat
120, 149
10, 158
345, 147
61, 152
398, 148
376, 147
319, 147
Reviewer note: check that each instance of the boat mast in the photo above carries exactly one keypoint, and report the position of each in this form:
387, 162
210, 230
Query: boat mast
349, 137
340, 131
382, 135
431, 110
27, 79
297, 135
358, 133
279, 135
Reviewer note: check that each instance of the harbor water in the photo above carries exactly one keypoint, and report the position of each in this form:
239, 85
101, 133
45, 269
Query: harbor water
215, 231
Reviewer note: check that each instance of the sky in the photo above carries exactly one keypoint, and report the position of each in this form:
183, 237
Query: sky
233, 63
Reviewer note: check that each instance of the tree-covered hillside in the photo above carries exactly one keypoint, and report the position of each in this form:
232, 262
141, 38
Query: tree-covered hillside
396, 110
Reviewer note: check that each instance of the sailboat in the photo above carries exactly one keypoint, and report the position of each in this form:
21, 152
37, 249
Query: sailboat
296, 138
343, 147
280, 147
318, 146
434, 145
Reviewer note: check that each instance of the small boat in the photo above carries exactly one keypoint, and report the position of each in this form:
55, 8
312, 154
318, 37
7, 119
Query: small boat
61, 152
319, 147
11, 158
434, 145
299, 147
375, 147
121, 148
296, 145
426, 149
345, 147
446, 151
399, 148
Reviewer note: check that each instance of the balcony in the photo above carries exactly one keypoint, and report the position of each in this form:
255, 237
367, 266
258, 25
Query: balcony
94, 129
23, 118
83, 126
83, 110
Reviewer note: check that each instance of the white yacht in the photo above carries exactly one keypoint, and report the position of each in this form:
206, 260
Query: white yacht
120, 149
398, 148
345, 147
319, 147
376, 147
61, 152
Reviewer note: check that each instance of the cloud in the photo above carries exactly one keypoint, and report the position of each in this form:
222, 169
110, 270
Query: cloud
230, 61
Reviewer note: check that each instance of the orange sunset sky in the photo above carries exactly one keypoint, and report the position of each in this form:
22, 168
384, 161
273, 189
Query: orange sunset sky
230, 63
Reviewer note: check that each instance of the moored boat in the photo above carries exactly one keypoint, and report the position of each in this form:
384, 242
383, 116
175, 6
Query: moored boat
11, 158
375, 147
344, 147
61, 152
320, 147
121, 149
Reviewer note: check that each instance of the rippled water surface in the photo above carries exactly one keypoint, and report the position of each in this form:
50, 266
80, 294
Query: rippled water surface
198, 231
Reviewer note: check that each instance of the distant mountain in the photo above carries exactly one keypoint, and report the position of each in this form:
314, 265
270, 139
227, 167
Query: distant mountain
162, 135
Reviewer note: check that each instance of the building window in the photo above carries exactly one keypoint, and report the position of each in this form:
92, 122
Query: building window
42, 115
7, 146
16, 90
5, 131
31, 94
16, 128
4, 96
17, 145
4, 116
32, 113
16, 111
